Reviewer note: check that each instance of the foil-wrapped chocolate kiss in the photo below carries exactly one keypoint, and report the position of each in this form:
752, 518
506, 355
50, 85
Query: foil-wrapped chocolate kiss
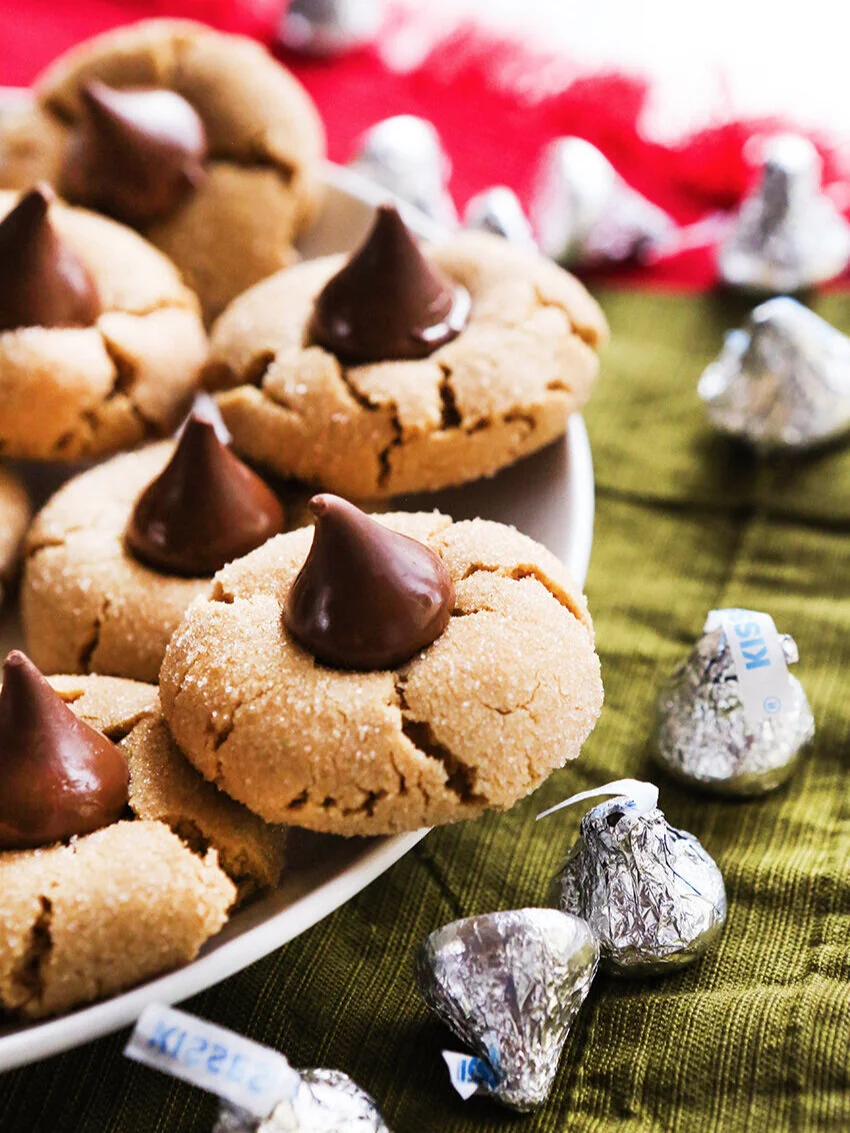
405, 155
509, 984
651, 893
731, 719
788, 235
782, 381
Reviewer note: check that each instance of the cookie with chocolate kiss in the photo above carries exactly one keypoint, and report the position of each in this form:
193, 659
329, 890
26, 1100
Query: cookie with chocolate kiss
100, 342
116, 556
405, 369
200, 140
139, 895
382, 673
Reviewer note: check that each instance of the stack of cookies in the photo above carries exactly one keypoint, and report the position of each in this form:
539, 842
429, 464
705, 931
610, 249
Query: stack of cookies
234, 660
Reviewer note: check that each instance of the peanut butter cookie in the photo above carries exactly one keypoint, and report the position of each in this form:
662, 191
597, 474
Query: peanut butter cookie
359, 682
199, 139
397, 372
110, 843
100, 342
117, 555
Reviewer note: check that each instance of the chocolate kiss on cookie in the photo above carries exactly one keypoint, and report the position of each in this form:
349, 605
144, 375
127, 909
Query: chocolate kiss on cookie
366, 597
59, 776
135, 154
43, 282
387, 302
205, 508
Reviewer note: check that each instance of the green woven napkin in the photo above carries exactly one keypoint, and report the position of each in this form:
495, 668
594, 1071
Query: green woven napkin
755, 1037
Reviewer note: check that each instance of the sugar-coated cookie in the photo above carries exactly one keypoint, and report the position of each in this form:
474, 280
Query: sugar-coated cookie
114, 853
100, 341
117, 555
409, 733
239, 175
395, 406
14, 518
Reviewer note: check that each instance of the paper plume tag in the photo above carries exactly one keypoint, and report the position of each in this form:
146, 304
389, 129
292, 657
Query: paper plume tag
215, 1059
759, 660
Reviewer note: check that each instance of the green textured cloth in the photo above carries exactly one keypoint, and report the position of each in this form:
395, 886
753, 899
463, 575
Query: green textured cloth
754, 1037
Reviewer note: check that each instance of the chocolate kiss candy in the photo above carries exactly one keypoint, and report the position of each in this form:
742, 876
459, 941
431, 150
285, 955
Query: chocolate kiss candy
728, 728
651, 893
387, 302
498, 210
509, 985
406, 155
330, 27
135, 154
366, 597
585, 214
205, 508
782, 382
59, 776
788, 234
42, 283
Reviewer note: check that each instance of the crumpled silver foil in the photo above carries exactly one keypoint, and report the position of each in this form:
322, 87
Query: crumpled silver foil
405, 155
327, 1102
782, 381
789, 235
703, 736
510, 984
584, 214
498, 211
330, 27
651, 893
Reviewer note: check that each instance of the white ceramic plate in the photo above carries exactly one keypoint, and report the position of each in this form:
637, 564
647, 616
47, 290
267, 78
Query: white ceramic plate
549, 496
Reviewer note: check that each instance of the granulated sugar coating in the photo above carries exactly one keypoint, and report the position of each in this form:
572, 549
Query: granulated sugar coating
87, 604
480, 718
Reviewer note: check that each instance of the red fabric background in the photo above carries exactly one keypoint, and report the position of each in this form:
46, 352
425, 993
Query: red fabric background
492, 131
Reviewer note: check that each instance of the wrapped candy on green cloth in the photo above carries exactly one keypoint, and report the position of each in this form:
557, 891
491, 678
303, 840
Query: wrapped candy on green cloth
653, 896
509, 984
732, 719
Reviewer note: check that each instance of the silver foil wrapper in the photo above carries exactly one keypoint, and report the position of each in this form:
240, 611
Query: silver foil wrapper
789, 235
782, 381
510, 984
405, 155
651, 893
584, 214
327, 1102
498, 211
330, 27
704, 736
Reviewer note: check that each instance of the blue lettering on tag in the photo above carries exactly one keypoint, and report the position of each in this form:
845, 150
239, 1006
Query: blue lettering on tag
196, 1048
747, 629
216, 1058
755, 658
159, 1038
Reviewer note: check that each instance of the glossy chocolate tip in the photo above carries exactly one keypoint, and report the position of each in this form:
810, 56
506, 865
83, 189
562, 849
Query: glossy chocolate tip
43, 282
134, 154
204, 509
366, 597
60, 777
387, 302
